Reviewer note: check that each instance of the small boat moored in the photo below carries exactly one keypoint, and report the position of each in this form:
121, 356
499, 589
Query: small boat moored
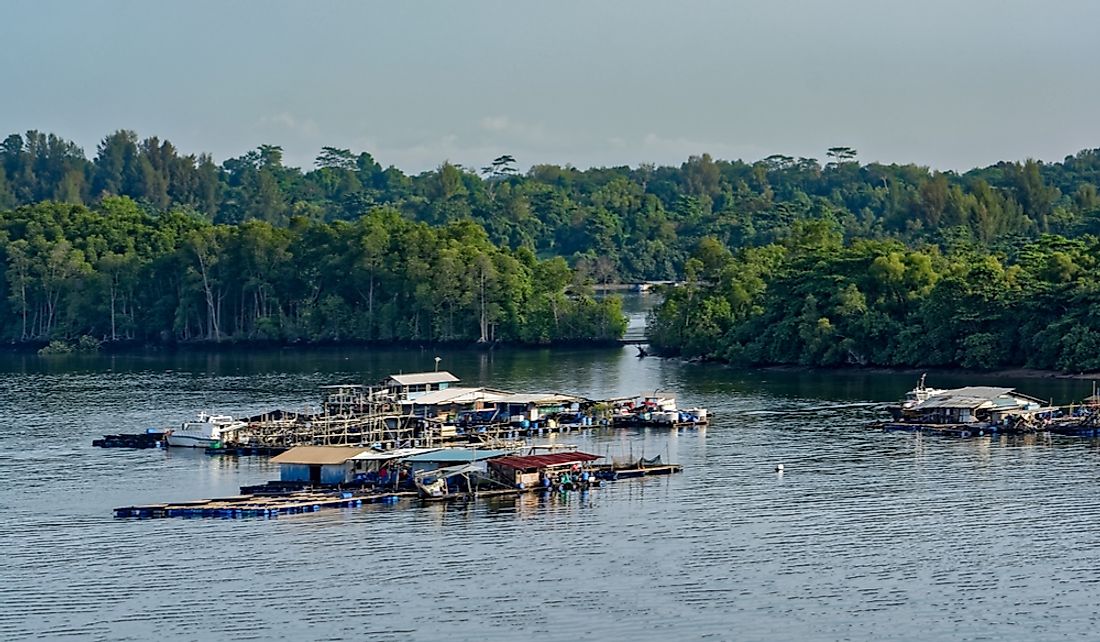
655, 409
204, 433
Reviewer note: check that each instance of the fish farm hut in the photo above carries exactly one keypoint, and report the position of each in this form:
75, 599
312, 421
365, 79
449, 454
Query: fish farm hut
527, 471
449, 402
532, 407
406, 387
451, 457
318, 464
974, 404
374, 460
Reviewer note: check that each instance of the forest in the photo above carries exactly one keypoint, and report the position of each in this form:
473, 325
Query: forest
788, 260
116, 273
813, 299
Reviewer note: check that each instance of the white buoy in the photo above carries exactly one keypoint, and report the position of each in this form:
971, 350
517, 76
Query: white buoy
779, 468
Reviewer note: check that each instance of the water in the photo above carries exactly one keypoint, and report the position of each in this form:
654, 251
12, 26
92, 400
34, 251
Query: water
866, 535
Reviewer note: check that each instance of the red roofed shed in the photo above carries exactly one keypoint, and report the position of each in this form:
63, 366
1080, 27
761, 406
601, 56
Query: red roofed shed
526, 469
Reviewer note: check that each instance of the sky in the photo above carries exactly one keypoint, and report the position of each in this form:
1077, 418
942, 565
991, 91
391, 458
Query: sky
951, 84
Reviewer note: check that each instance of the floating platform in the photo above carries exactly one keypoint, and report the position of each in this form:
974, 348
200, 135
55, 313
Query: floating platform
630, 422
947, 430
644, 471
152, 439
257, 506
279, 500
465, 496
1076, 429
246, 451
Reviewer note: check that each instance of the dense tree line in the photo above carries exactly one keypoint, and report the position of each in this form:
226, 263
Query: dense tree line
812, 299
618, 223
788, 260
120, 272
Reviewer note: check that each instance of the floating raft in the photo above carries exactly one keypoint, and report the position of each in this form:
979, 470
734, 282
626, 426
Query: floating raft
1074, 429
257, 506
151, 439
950, 430
246, 451
642, 471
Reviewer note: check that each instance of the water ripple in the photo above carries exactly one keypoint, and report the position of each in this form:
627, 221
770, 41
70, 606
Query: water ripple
865, 534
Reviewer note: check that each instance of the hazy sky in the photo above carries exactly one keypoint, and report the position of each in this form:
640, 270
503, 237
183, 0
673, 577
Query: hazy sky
951, 84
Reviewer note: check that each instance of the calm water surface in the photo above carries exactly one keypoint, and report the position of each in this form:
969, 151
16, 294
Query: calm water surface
865, 535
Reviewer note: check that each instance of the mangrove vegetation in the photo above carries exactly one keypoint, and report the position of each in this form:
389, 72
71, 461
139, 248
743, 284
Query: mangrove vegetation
117, 273
787, 260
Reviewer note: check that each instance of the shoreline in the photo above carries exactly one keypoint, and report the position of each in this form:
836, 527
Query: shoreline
229, 346
1026, 373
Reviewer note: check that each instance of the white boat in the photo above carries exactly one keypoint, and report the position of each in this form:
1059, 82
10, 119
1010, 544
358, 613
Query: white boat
205, 432
919, 394
655, 409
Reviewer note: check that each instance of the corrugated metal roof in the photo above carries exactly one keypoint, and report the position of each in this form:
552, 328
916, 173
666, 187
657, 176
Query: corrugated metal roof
537, 398
418, 378
450, 471
968, 397
398, 453
542, 461
458, 455
458, 395
323, 455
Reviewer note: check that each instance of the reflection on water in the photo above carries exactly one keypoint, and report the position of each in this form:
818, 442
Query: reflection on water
864, 535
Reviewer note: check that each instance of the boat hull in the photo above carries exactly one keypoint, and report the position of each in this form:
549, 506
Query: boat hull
190, 441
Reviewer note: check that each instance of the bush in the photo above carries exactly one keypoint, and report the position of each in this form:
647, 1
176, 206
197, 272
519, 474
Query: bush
55, 347
88, 344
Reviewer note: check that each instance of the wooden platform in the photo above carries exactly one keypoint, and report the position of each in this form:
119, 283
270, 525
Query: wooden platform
257, 506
